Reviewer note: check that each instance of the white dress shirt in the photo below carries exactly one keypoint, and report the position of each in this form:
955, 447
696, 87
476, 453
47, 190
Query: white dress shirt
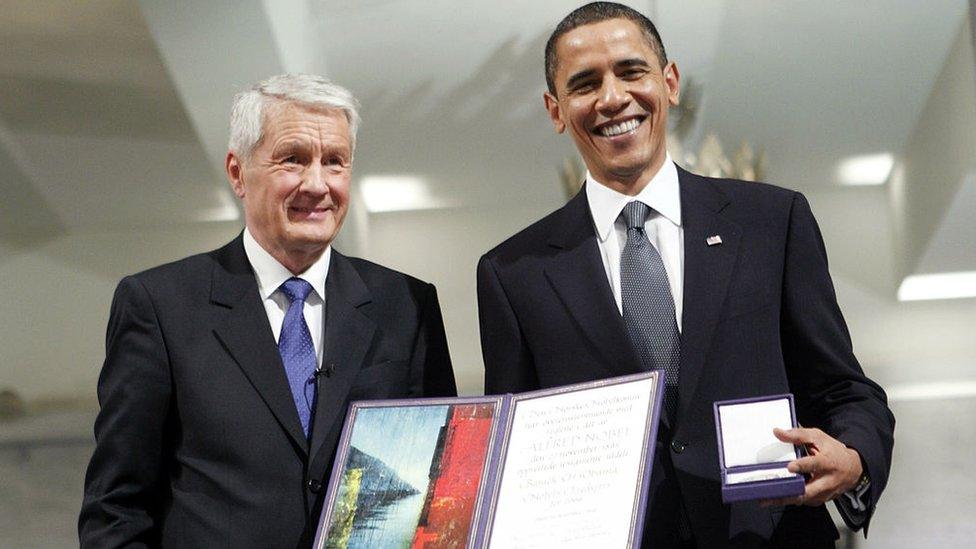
663, 227
271, 275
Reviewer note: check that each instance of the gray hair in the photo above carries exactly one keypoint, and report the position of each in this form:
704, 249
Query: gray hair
307, 90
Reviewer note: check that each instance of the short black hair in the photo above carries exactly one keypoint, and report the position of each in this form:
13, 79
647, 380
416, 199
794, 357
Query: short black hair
595, 12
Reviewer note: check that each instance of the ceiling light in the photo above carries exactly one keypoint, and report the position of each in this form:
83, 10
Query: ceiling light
868, 169
938, 286
392, 193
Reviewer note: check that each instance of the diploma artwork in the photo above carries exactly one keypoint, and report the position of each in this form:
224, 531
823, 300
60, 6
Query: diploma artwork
565, 467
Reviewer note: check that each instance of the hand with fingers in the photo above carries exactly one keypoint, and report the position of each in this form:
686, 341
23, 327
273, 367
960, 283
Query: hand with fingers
832, 467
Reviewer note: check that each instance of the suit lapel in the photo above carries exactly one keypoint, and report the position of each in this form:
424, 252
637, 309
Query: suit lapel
247, 336
708, 270
348, 335
577, 275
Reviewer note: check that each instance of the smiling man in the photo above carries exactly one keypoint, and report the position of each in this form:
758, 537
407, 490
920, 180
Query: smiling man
722, 284
227, 374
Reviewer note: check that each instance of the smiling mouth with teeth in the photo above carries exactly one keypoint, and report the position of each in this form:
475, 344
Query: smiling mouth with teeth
621, 128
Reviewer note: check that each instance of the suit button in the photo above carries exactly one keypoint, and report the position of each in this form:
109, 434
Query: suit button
314, 486
677, 446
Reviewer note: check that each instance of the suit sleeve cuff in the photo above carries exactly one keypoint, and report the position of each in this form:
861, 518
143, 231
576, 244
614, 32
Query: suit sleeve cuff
855, 504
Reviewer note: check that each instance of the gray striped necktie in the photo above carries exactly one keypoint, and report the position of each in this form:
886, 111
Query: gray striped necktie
647, 303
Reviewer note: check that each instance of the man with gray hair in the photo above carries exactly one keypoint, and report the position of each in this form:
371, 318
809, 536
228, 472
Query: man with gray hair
227, 374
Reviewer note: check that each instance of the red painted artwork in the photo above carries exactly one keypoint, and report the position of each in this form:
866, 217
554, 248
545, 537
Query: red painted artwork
455, 476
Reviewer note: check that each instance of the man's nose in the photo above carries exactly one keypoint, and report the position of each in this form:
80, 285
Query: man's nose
316, 179
613, 95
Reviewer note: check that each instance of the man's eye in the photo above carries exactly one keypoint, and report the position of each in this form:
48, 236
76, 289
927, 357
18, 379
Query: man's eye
291, 159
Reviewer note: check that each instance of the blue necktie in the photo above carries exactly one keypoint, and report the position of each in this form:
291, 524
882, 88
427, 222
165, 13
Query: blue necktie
647, 303
297, 351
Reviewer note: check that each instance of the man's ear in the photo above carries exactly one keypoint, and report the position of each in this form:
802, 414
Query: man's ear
672, 79
235, 173
552, 106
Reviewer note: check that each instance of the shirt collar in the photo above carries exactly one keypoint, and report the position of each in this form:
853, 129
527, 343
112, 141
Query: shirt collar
661, 194
271, 275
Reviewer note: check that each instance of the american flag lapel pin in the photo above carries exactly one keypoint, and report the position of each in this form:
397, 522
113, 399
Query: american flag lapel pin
713, 240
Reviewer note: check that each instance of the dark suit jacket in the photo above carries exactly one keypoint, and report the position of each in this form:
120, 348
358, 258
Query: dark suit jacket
198, 440
760, 317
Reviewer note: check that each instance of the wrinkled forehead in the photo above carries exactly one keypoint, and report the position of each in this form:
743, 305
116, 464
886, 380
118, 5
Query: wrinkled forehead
282, 119
277, 111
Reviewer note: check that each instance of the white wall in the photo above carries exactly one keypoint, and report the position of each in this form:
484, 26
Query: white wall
873, 242
443, 247
56, 296
941, 152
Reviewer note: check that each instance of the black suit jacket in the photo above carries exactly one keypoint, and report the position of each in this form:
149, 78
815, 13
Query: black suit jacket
759, 317
198, 440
